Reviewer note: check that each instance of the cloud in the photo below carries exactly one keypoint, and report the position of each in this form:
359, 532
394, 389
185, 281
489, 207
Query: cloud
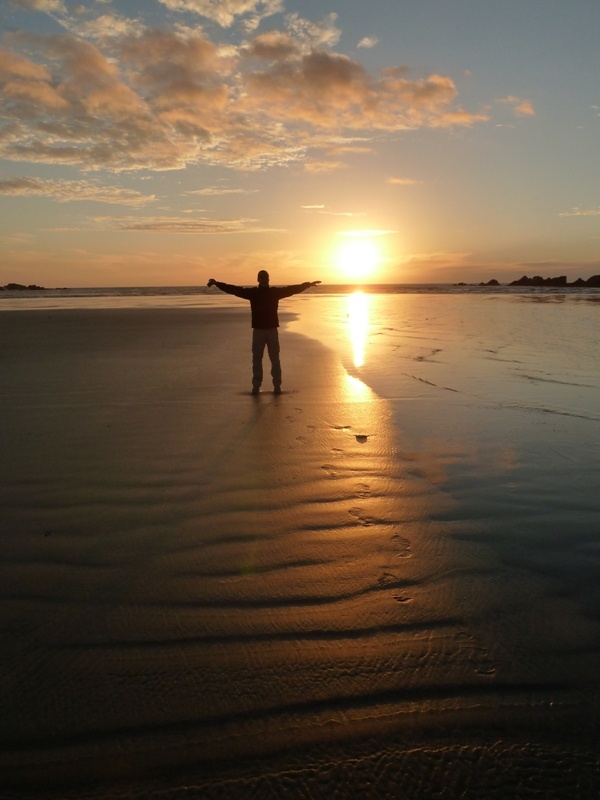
520, 106
218, 190
225, 12
367, 233
86, 80
322, 209
329, 90
348, 149
403, 181
271, 46
119, 96
13, 66
314, 35
525, 109
581, 212
173, 70
319, 167
106, 26
202, 225
34, 92
368, 42
459, 118
67, 191
48, 6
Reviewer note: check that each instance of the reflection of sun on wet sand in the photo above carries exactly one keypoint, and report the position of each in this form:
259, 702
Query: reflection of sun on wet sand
358, 325
247, 597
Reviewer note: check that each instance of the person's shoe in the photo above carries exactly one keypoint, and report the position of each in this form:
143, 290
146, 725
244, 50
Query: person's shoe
277, 390
255, 390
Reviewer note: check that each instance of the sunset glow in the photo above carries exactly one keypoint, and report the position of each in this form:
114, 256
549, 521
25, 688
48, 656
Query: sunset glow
148, 144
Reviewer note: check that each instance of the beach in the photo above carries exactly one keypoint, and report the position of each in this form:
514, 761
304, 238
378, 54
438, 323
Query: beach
381, 583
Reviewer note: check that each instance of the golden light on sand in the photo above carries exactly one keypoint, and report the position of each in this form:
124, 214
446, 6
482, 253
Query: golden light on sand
358, 325
355, 390
358, 257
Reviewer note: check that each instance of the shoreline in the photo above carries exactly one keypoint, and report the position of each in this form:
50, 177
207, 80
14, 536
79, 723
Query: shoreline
198, 297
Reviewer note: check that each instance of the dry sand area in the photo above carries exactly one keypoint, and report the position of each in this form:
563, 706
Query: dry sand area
210, 595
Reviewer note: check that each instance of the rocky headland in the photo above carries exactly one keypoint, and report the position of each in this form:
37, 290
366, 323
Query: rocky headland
561, 280
12, 287
537, 280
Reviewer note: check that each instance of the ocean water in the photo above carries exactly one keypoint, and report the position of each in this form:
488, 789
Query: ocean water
199, 296
537, 351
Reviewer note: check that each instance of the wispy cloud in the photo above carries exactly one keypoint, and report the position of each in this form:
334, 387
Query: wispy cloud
317, 167
581, 212
367, 233
403, 181
314, 35
105, 27
219, 190
368, 42
68, 191
520, 106
321, 209
48, 6
202, 225
225, 12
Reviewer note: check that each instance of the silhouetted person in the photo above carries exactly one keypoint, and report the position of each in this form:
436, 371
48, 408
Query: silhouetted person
264, 301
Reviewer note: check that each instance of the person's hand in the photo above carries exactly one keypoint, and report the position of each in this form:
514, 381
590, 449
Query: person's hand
211, 282
315, 283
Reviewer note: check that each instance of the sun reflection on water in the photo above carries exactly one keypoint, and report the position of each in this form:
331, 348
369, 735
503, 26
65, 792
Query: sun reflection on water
355, 391
358, 323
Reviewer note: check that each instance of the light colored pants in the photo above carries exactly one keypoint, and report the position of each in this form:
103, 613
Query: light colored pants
270, 338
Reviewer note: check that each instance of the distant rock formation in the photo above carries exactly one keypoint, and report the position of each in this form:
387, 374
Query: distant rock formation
12, 287
537, 280
493, 282
593, 282
560, 280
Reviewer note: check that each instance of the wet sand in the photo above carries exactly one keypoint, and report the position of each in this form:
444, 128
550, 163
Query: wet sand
206, 594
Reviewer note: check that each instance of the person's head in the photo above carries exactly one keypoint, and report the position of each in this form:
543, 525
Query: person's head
263, 278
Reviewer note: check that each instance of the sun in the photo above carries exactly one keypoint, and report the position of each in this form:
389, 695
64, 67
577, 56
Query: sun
358, 257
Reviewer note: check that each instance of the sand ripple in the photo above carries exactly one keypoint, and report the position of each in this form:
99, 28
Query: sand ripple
284, 607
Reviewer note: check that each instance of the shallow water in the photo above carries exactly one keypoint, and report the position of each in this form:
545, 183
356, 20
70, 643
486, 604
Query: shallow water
534, 352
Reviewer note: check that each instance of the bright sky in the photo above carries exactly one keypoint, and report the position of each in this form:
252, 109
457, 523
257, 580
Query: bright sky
163, 142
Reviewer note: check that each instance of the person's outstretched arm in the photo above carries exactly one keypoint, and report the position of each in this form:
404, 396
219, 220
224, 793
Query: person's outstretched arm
229, 288
287, 291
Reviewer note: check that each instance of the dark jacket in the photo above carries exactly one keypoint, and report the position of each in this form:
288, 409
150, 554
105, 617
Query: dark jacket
264, 300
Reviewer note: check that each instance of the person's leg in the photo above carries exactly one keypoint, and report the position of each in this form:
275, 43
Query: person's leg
258, 348
273, 349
